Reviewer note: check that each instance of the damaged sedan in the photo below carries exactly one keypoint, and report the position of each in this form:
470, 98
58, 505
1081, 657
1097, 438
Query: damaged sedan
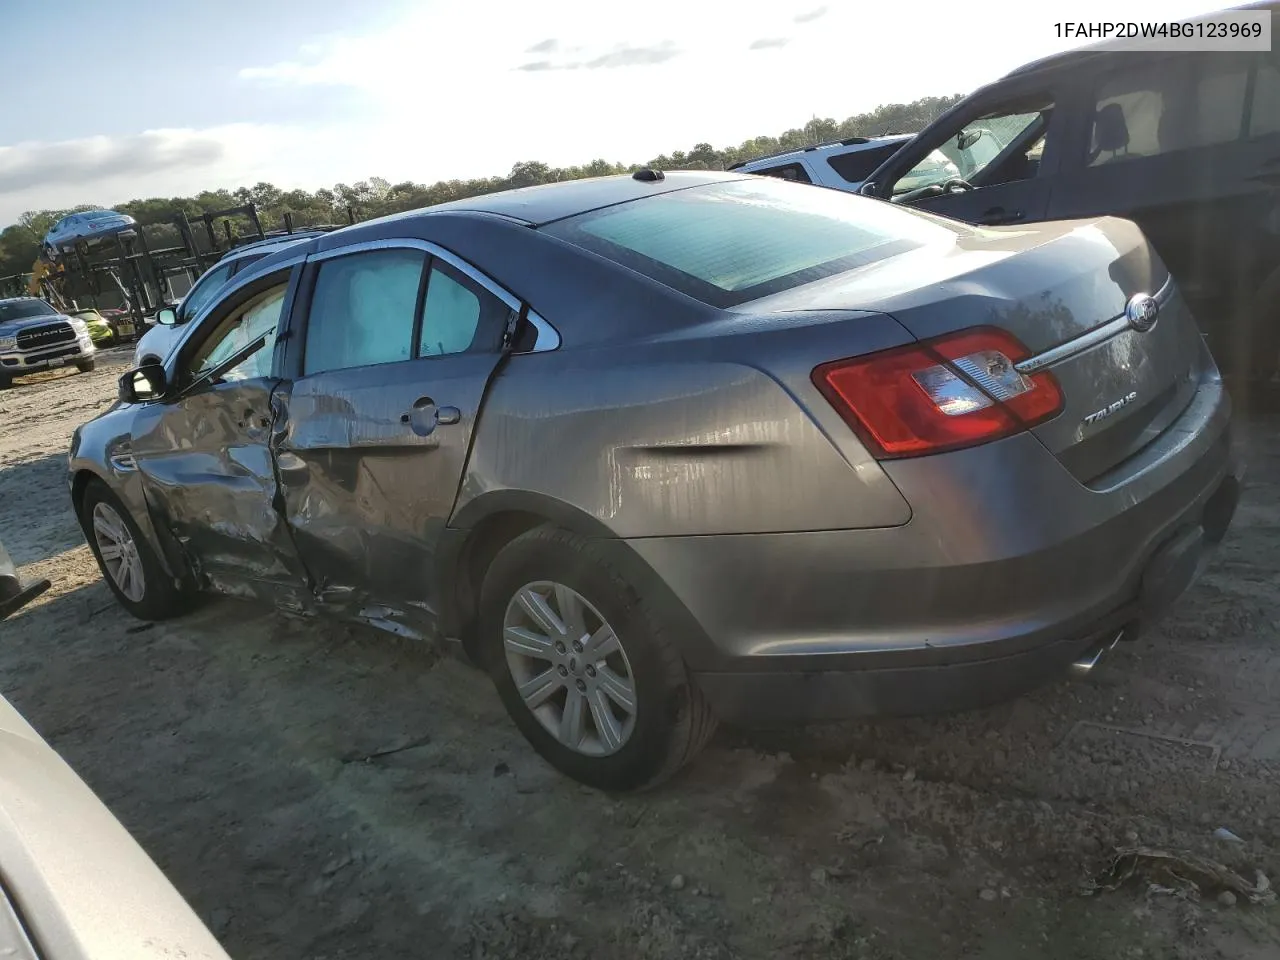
659, 450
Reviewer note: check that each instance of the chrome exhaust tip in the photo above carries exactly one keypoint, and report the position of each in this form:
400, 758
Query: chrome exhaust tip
1083, 665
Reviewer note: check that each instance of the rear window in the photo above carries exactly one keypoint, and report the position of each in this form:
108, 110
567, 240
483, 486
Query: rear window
729, 243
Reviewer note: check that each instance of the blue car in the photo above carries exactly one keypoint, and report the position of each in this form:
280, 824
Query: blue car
89, 226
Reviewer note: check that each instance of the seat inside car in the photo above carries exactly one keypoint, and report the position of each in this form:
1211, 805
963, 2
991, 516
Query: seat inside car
1110, 131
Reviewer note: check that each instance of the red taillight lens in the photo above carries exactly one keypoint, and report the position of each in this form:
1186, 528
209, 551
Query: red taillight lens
955, 391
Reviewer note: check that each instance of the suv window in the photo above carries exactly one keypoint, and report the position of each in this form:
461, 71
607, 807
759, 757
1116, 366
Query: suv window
856, 165
458, 314
1168, 105
363, 310
257, 319
788, 171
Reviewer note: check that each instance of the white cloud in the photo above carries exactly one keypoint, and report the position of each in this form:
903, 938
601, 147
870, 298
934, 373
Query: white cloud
444, 95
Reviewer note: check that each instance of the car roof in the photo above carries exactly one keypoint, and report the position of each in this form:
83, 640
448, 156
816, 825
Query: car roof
1087, 55
853, 145
22, 300
262, 248
548, 202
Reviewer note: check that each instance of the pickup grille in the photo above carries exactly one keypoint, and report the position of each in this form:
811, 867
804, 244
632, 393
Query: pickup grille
46, 335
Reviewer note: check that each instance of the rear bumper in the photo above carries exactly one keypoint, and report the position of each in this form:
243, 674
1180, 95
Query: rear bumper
1008, 572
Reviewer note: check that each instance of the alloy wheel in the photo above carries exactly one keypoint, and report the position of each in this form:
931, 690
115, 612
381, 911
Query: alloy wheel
119, 552
570, 668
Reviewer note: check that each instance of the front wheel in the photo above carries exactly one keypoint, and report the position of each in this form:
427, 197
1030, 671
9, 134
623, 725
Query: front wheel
587, 672
128, 564
86, 366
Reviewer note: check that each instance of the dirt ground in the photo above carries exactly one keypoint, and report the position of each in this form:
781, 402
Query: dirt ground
323, 791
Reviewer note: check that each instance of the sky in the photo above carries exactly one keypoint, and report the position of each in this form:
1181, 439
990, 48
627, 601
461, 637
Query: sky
142, 98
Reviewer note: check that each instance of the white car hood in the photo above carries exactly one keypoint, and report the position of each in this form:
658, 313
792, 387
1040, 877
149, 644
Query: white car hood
80, 883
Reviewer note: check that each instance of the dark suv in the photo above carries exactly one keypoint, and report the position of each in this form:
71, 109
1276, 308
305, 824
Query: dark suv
1186, 144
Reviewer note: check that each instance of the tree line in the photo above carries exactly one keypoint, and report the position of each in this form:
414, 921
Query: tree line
375, 197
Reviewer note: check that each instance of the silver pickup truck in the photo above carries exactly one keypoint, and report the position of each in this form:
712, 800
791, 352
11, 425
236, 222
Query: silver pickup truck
34, 336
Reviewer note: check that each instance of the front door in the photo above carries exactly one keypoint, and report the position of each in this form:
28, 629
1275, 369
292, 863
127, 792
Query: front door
991, 163
204, 451
397, 351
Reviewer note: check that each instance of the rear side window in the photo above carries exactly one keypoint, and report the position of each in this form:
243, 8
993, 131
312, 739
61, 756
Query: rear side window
728, 243
856, 165
363, 310
788, 171
1167, 105
458, 314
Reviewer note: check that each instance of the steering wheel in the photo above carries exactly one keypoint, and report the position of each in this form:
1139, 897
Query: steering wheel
950, 185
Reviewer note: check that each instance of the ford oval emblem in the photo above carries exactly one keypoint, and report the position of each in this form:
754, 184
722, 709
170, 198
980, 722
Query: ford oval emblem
1142, 312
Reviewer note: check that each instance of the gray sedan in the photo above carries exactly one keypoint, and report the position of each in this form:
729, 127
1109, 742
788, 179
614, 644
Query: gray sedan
661, 450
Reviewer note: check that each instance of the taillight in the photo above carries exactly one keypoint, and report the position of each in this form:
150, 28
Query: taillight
955, 391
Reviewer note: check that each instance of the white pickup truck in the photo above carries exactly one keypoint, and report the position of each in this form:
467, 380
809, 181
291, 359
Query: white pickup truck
34, 336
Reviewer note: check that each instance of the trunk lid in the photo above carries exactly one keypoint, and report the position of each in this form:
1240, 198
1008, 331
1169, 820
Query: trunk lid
1055, 287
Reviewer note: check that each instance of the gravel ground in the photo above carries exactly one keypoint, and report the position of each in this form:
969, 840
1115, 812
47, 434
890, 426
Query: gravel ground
325, 791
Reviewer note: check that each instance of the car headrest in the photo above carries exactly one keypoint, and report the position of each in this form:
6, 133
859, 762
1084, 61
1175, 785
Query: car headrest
1110, 130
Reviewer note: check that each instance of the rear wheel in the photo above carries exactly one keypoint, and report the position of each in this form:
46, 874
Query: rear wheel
584, 668
128, 564
86, 366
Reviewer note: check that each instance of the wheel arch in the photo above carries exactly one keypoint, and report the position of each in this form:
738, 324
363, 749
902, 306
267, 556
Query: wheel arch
486, 524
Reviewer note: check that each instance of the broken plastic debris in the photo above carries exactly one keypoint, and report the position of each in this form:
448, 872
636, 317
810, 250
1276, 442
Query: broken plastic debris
1184, 875
1222, 833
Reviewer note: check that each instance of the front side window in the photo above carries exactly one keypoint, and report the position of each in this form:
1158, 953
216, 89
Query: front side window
254, 325
363, 310
1167, 105
979, 152
204, 290
731, 242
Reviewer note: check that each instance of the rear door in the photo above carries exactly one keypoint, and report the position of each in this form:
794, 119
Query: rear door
990, 162
399, 343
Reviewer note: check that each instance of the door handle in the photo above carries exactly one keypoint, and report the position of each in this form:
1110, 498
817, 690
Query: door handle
998, 215
425, 416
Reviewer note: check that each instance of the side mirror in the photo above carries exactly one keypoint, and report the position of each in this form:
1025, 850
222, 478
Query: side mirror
142, 384
167, 316
868, 189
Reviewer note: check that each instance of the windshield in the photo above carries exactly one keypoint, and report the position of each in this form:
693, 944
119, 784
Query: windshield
21, 309
732, 242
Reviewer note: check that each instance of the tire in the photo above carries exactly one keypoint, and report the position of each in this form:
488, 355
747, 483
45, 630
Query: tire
671, 720
86, 366
158, 598
5, 382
